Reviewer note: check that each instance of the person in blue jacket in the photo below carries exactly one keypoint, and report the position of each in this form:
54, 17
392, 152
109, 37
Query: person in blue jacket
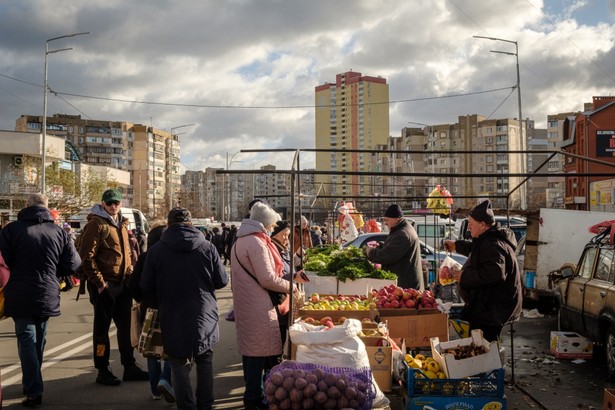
38, 253
184, 270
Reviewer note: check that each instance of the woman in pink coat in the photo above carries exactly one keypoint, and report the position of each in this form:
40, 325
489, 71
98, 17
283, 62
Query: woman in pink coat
256, 319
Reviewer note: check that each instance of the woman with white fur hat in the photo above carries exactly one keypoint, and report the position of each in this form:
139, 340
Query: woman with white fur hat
256, 268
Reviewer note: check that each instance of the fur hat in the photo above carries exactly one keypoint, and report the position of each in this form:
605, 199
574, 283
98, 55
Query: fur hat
483, 213
394, 211
264, 214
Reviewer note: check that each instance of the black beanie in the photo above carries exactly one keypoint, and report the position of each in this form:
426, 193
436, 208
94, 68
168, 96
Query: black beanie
279, 227
483, 213
394, 211
154, 235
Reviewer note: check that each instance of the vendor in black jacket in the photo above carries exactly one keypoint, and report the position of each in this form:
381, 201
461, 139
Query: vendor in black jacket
401, 251
490, 282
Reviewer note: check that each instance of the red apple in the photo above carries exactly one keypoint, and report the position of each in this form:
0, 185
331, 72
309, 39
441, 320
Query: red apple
314, 297
410, 303
386, 305
395, 304
406, 296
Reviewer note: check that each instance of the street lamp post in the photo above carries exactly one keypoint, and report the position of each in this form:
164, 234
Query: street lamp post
225, 214
171, 173
45, 88
522, 191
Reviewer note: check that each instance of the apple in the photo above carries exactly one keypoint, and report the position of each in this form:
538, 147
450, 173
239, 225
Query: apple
341, 297
326, 319
314, 297
410, 303
395, 304
399, 292
386, 305
309, 320
406, 296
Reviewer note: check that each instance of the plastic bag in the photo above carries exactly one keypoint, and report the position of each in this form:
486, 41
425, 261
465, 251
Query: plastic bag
450, 270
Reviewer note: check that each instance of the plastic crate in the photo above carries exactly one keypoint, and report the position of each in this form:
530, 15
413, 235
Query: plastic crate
452, 402
491, 384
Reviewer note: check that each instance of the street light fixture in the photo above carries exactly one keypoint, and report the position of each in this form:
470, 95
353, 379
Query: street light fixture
45, 88
171, 176
523, 191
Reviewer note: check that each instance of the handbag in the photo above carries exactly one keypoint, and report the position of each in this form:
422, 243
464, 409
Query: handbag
277, 298
136, 325
150, 341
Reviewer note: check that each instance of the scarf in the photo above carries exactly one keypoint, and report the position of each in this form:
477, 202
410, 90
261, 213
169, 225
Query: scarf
279, 265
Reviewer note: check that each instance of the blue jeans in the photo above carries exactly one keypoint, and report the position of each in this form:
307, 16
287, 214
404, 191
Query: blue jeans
158, 370
180, 368
31, 332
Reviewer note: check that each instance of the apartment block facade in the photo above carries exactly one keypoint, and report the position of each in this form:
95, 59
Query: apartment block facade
351, 114
150, 155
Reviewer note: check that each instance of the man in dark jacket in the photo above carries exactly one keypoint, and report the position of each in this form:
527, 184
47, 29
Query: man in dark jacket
38, 253
184, 270
401, 251
106, 253
490, 282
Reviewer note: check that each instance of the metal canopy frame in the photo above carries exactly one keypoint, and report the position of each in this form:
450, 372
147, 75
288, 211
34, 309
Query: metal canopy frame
296, 182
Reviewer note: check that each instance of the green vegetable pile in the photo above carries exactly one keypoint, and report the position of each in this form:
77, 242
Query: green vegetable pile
346, 263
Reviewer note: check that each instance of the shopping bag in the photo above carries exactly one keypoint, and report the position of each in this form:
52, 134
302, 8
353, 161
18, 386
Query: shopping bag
150, 341
136, 325
450, 270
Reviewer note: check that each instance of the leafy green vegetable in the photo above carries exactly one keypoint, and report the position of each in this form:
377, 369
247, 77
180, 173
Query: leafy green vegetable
346, 263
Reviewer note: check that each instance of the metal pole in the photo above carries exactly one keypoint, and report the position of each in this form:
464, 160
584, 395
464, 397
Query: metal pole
45, 87
44, 121
521, 138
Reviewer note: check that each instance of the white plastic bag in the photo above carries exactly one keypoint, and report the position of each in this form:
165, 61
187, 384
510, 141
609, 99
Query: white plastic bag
450, 270
338, 346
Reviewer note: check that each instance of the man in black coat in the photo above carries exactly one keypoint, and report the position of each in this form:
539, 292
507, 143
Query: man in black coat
184, 270
490, 281
38, 253
401, 251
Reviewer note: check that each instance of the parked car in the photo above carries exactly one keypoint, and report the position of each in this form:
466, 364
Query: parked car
427, 252
517, 225
585, 296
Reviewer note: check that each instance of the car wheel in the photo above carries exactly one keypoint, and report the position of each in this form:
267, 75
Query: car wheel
609, 350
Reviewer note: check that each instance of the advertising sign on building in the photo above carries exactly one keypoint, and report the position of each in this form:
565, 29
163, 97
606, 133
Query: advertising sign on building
605, 143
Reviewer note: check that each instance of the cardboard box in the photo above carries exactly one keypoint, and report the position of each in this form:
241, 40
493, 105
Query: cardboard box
380, 361
335, 314
608, 403
457, 369
416, 329
570, 345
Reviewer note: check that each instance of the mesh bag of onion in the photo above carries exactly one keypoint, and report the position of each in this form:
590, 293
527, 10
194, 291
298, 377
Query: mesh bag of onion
295, 385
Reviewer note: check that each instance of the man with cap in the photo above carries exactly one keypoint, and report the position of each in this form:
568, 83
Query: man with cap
183, 270
400, 253
106, 254
490, 281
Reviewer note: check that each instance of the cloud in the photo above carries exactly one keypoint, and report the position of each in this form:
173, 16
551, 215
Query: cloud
256, 63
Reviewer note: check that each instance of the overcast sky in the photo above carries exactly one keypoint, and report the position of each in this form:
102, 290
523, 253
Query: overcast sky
244, 71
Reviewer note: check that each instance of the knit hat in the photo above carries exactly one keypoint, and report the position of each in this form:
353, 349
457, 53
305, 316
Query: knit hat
279, 227
111, 195
179, 215
394, 211
154, 235
483, 213
254, 201
264, 214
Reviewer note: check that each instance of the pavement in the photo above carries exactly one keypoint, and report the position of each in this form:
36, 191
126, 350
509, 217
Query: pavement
540, 381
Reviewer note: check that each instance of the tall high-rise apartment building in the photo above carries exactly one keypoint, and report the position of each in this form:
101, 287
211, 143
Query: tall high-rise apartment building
150, 155
352, 113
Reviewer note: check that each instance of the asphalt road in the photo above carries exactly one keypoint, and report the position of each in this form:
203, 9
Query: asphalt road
540, 381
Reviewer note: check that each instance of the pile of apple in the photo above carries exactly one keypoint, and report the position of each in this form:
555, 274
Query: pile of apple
394, 297
339, 302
